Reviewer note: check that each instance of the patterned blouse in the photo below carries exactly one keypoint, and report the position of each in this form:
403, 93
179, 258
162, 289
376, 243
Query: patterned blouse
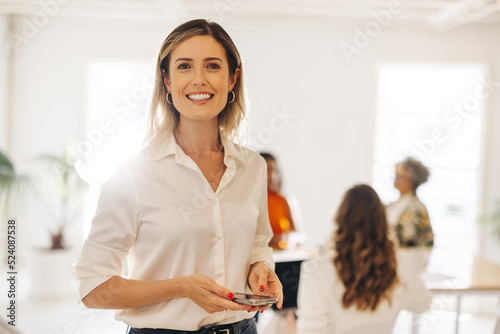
413, 227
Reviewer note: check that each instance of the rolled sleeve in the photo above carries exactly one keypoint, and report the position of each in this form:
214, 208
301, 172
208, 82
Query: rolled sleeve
113, 233
263, 233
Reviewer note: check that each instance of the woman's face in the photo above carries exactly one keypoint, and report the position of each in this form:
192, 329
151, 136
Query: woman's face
273, 176
199, 79
402, 181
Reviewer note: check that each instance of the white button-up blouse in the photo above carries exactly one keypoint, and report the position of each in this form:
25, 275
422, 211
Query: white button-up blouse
160, 210
320, 309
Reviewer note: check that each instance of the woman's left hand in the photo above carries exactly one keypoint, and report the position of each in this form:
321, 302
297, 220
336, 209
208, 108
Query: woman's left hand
263, 281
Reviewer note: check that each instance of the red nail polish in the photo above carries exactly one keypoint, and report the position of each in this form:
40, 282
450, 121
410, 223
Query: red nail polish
230, 295
261, 288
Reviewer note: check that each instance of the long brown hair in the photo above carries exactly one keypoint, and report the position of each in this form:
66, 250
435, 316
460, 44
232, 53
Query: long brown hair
163, 117
365, 259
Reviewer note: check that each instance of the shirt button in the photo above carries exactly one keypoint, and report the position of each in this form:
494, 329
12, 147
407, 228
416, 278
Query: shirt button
219, 236
220, 273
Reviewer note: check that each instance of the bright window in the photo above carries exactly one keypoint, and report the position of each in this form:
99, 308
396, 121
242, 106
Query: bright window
435, 114
118, 98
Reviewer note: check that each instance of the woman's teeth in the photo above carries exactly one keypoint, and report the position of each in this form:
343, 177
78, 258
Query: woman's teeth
199, 97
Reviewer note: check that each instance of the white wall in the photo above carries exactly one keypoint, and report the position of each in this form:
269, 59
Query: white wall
330, 144
4, 72
293, 66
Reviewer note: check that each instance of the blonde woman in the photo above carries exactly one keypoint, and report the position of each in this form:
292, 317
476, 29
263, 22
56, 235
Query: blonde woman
190, 208
359, 285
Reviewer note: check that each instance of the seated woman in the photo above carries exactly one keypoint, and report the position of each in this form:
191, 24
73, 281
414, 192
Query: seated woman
358, 285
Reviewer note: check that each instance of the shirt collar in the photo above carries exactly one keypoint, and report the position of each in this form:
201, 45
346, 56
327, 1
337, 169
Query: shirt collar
164, 145
233, 150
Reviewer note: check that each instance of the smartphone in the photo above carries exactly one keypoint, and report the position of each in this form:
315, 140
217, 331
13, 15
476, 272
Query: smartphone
254, 300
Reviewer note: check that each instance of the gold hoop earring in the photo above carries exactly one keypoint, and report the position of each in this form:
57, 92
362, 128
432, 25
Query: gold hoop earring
168, 100
234, 97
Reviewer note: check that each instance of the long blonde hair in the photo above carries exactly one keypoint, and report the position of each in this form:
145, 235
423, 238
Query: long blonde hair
365, 258
163, 117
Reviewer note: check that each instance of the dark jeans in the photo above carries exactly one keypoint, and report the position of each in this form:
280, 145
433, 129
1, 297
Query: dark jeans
247, 326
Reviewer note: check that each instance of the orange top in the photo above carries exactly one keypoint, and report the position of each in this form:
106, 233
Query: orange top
279, 213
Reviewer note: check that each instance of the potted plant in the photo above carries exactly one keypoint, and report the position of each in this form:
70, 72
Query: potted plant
13, 185
64, 181
60, 193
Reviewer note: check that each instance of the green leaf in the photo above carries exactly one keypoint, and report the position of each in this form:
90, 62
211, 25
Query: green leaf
5, 162
13, 186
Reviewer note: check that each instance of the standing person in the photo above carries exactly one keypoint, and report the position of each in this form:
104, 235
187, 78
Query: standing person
280, 215
190, 208
359, 285
286, 236
408, 215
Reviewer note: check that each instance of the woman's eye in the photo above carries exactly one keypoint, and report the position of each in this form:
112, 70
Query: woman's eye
213, 66
183, 66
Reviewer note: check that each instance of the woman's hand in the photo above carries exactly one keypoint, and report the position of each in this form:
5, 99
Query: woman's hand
263, 281
279, 241
209, 295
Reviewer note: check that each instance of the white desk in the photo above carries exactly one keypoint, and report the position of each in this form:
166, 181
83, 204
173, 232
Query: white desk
300, 254
460, 275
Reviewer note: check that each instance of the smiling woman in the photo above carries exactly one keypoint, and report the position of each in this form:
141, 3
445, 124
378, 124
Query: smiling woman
200, 86
190, 258
223, 60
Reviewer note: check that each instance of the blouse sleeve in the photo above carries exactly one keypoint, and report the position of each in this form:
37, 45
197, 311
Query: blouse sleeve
414, 228
113, 232
426, 233
417, 297
263, 233
315, 315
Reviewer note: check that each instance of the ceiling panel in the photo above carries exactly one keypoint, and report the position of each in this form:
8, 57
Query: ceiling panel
442, 15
